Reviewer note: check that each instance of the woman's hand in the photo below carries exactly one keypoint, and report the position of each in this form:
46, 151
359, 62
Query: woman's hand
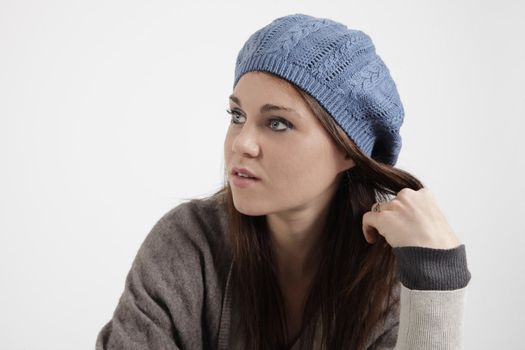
410, 219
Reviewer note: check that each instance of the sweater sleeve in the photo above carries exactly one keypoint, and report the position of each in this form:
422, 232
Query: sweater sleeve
160, 306
433, 286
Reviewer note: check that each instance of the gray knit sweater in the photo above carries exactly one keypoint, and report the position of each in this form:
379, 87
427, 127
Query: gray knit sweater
177, 293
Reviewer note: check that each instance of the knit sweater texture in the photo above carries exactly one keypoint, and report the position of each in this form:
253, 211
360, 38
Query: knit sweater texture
177, 293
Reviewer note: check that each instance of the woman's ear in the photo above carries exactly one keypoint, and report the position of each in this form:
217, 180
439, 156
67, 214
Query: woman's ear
347, 163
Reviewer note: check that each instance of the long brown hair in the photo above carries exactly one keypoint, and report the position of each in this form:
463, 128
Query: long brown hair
352, 290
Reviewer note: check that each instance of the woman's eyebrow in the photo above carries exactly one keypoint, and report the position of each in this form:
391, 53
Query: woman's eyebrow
267, 107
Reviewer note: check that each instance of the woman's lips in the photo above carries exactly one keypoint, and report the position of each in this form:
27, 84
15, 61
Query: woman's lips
243, 182
243, 171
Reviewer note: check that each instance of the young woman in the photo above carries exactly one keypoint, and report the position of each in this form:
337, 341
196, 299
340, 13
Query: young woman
316, 240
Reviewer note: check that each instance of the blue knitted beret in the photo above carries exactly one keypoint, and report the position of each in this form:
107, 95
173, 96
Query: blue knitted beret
339, 67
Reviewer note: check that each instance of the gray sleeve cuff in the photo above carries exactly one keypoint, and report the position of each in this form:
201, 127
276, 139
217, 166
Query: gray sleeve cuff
422, 268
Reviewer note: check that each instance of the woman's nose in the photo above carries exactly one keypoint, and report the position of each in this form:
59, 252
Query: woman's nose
245, 142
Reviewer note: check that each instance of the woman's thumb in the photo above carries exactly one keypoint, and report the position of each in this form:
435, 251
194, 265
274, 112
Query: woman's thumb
369, 230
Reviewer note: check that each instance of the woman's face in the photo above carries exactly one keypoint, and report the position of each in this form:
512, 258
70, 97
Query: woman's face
290, 152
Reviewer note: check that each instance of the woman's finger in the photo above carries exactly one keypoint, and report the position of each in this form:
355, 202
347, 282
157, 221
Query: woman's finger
370, 231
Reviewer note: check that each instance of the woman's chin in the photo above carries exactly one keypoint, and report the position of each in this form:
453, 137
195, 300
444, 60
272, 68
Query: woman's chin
248, 207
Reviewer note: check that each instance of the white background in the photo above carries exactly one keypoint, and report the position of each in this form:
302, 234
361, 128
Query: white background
113, 112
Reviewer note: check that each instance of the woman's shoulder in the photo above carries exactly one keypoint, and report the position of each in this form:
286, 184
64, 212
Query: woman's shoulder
179, 271
198, 224
187, 241
192, 239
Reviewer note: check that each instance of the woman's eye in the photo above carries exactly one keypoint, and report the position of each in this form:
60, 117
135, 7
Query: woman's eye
272, 121
234, 114
277, 121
